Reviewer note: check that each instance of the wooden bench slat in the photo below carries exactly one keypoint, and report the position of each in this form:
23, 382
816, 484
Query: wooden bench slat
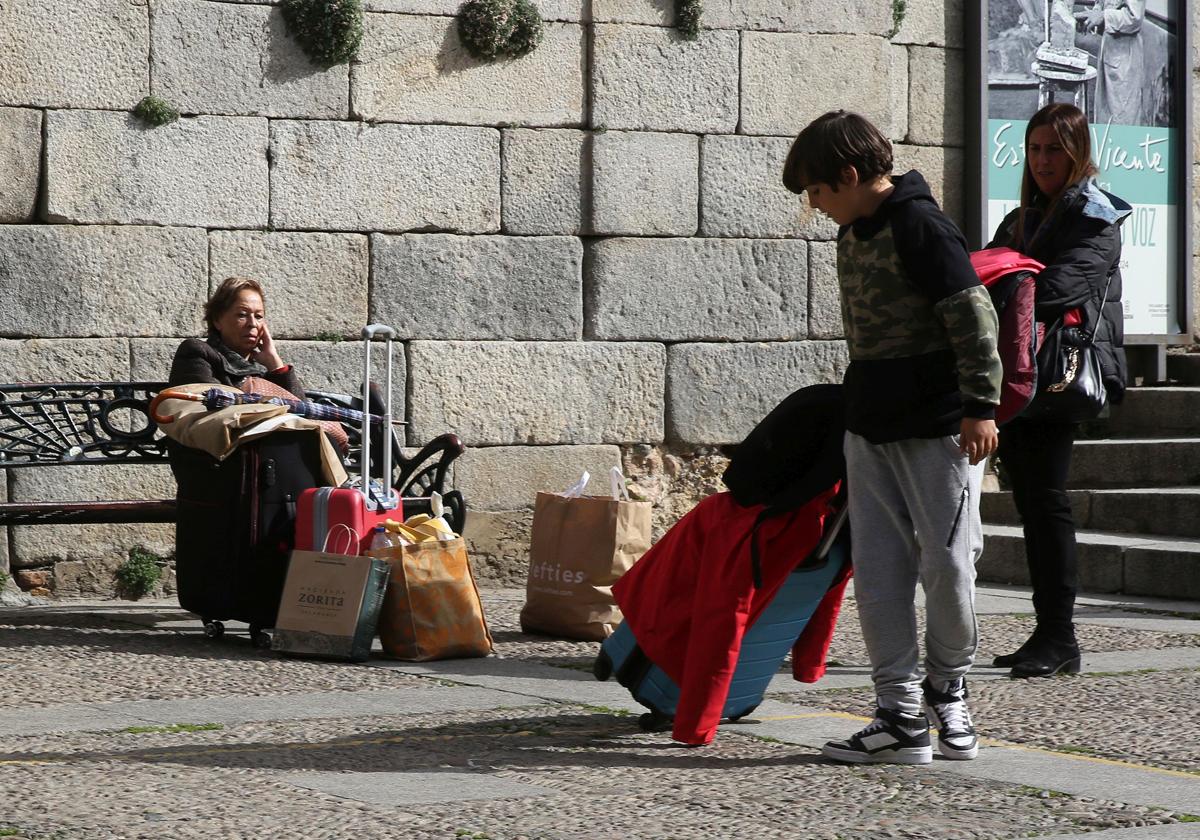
87, 513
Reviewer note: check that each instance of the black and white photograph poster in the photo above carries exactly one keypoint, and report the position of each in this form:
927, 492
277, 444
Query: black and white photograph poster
1117, 60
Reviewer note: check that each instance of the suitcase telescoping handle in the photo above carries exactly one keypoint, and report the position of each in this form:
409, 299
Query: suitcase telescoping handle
388, 498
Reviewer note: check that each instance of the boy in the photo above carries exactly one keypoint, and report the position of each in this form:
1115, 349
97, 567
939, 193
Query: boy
921, 333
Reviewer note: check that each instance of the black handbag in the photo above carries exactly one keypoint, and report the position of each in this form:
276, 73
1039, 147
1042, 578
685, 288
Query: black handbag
1070, 384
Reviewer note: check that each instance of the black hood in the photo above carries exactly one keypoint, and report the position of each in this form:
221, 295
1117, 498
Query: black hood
794, 453
911, 186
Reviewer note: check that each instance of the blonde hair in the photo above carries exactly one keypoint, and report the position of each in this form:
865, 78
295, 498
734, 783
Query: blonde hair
226, 296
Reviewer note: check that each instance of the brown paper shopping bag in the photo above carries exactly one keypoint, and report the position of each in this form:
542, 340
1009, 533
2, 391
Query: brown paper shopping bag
432, 608
579, 547
330, 604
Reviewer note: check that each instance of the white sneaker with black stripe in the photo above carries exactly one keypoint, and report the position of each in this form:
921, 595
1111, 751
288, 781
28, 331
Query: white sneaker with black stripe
892, 738
948, 713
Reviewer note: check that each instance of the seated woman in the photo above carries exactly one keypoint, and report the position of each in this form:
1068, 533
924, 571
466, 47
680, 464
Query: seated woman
238, 344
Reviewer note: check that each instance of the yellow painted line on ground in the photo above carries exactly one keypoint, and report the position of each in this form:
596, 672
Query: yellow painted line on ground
810, 715
993, 742
1112, 762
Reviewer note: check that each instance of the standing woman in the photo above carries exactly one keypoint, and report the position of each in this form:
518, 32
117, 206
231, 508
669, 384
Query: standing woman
1068, 223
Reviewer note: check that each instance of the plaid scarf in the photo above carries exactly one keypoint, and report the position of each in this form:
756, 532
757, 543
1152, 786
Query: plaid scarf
235, 364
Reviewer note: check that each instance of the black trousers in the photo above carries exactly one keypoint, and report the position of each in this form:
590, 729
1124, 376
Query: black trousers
1036, 455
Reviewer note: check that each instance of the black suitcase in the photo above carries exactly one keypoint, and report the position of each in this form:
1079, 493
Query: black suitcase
236, 527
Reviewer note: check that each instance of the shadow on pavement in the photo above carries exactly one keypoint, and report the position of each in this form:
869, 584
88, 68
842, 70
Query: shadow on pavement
572, 740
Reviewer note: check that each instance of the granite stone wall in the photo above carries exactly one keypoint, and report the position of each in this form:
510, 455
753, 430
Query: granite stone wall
587, 250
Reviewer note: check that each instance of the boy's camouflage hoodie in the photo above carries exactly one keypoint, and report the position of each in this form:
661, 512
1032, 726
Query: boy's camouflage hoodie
920, 327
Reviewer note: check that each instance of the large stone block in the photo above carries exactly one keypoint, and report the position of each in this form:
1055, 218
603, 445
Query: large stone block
316, 283
81, 54
716, 393
645, 183
742, 192
337, 366
697, 289
20, 161
442, 286
771, 15
103, 545
64, 360
348, 176
824, 293
545, 180
835, 16
550, 9
789, 80
62, 280
934, 22
150, 358
648, 78
942, 168
653, 12
936, 96
505, 393
510, 477
220, 58
498, 545
110, 167
414, 69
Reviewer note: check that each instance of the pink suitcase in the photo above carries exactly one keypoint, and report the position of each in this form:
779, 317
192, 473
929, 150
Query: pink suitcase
365, 502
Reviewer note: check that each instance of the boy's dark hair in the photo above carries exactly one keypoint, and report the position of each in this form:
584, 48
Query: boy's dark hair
832, 142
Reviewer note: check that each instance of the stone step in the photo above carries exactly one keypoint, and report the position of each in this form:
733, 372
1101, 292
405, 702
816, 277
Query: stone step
1167, 567
1135, 462
1166, 511
1158, 412
1184, 368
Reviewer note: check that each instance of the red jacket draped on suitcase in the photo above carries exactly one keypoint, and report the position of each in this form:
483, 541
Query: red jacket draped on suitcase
691, 597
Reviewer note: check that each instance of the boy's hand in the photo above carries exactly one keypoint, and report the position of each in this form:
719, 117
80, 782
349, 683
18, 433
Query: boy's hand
978, 439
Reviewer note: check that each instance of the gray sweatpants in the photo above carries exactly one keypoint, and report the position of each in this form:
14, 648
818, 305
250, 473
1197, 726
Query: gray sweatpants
914, 515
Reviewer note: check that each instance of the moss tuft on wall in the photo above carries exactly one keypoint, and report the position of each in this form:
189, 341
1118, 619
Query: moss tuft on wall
493, 29
527, 29
156, 111
899, 8
329, 31
687, 18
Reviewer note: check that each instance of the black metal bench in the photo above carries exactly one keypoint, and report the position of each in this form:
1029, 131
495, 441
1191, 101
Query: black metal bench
95, 423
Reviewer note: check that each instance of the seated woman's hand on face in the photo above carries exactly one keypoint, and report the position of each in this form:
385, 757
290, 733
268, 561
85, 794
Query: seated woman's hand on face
243, 329
266, 354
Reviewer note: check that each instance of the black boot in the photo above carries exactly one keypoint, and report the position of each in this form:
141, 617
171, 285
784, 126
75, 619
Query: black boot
1008, 660
1049, 654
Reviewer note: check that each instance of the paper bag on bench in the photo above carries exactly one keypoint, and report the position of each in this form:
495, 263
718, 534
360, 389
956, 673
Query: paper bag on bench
330, 604
579, 546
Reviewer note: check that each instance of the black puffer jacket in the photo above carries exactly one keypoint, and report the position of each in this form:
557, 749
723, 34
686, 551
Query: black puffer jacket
1080, 245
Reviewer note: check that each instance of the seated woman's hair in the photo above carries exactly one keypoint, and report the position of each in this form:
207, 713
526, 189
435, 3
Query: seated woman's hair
226, 295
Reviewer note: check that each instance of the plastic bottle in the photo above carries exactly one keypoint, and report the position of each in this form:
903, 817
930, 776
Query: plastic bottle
380, 542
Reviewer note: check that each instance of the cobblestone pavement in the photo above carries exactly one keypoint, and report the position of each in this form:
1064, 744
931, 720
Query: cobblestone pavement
236, 742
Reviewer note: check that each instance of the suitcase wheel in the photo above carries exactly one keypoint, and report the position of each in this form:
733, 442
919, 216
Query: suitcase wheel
260, 638
213, 629
654, 722
602, 668
742, 714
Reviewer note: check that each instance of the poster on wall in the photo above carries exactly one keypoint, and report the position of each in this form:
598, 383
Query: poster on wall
1124, 64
